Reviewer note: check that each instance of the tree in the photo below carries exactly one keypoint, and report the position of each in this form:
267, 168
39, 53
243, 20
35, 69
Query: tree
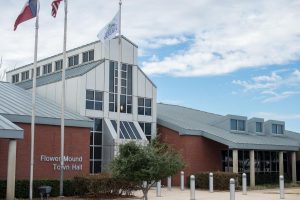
146, 165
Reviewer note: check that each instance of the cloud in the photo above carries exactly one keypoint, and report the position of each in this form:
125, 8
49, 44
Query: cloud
227, 35
274, 87
276, 116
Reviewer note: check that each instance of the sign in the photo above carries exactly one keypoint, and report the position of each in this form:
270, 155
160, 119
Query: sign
73, 163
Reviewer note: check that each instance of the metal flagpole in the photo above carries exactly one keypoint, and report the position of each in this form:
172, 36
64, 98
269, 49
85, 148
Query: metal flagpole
62, 133
33, 101
119, 78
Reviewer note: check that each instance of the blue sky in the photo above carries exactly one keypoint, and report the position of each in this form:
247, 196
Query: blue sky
237, 57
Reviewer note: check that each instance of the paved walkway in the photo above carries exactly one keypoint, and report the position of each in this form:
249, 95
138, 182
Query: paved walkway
269, 194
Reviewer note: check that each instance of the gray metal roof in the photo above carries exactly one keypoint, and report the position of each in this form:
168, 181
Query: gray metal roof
56, 76
16, 106
189, 121
9, 129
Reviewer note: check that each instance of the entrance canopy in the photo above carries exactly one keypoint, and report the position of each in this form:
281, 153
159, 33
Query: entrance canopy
9, 130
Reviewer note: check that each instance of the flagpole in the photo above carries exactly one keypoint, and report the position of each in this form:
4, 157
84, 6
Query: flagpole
119, 79
62, 134
33, 103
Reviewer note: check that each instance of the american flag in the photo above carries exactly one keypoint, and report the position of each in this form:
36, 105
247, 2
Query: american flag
55, 5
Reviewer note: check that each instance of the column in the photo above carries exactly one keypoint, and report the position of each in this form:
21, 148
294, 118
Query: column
281, 169
252, 168
11, 170
294, 169
235, 161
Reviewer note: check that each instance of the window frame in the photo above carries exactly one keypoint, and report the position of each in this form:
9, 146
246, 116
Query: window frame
94, 100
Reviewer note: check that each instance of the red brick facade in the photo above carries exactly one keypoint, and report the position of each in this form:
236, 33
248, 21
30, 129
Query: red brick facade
47, 142
199, 153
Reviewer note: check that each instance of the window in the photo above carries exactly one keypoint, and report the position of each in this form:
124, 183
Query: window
96, 146
144, 106
127, 130
47, 68
38, 71
259, 127
147, 129
277, 129
88, 56
25, 75
126, 87
58, 65
73, 60
237, 125
94, 100
15, 78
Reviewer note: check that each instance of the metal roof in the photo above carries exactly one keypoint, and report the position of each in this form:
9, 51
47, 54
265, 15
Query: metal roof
71, 72
16, 106
9, 129
189, 121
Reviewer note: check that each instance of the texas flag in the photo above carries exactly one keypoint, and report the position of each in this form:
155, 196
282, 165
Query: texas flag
29, 11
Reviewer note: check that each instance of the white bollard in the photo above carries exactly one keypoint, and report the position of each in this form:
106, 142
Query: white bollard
192, 187
211, 182
281, 186
182, 180
244, 184
158, 189
232, 189
169, 183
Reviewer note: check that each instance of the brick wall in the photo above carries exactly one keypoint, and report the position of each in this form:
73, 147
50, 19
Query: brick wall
47, 142
199, 153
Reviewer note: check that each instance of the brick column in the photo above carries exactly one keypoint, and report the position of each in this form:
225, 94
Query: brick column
235, 161
252, 168
11, 170
281, 168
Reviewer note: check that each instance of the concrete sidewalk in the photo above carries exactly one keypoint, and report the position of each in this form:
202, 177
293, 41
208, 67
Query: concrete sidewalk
176, 194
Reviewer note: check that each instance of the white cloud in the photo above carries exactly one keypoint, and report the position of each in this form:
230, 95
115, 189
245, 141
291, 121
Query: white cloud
274, 87
276, 116
228, 35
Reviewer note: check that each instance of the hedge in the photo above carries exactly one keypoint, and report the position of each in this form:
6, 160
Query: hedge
221, 180
22, 188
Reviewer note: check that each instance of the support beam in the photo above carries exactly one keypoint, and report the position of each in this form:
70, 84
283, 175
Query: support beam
11, 170
294, 168
235, 161
281, 168
252, 168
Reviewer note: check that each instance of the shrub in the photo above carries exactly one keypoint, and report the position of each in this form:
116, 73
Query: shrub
221, 180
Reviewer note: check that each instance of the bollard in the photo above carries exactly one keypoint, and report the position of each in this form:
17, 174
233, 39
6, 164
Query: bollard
144, 184
158, 189
244, 184
211, 182
169, 183
192, 187
281, 186
182, 180
232, 189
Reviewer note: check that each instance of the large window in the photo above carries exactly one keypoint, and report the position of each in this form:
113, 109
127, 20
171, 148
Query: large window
15, 78
259, 127
277, 129
94, 100
25, 75
47, 68
144, 106
38, 71
58, 65
127, 130
146, 127
126, 87
96, 146
88, 56
73, 60
237, 125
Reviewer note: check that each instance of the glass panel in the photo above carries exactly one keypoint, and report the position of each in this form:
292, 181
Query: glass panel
90, 95
123, 75
123, 90
148, 128
280, 129
98, 124
89, 105
259, 127
129, 99
129, 109
148, 102
141, 102
141, 110
233, 124
124, 67
274, 128
241, 125
129, 130
126, 135
97, 138
123, 103
111, 107
142, 126
91, 55
85, 57
129, 80
114, 123
98, 96
148, 111
98, 105
91, 152
76, 60
91, 166
97, 152
135, 131
97, 167
111, 76
123, 83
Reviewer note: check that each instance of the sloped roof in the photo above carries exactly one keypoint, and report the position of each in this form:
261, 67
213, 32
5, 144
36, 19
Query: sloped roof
71, 72
189, 121
9, 129
16, 106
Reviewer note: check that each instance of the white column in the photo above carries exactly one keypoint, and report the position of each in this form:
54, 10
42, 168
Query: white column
294, 172
235, 161
252, 168
11, 170
281, 168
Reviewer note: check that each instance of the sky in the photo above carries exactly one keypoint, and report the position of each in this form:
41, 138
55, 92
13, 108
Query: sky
225, 57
